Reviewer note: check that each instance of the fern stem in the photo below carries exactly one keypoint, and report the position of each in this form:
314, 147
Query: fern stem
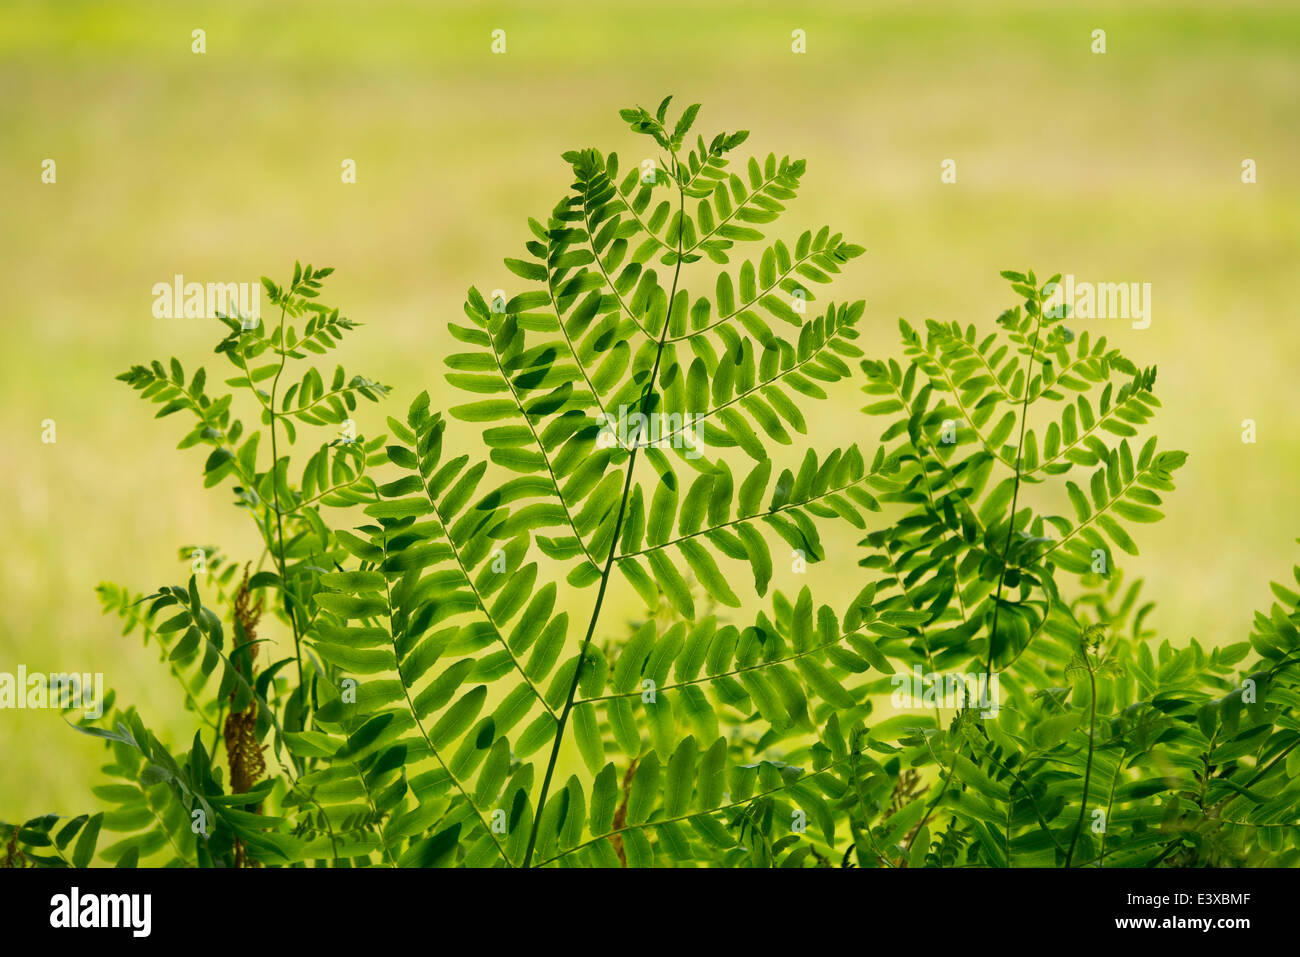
1110, 803
279, 518
1255, 778
1087, 771
721, 675
780, 375
853, 756
948, 478
1015, 489
1029, 796
613, 542
487, 615
929, 811
419, 725
749, 519
925, 638
661, 822
559, 318
758, 295
537, 441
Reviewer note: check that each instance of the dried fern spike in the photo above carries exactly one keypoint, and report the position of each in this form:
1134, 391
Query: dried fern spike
243, 751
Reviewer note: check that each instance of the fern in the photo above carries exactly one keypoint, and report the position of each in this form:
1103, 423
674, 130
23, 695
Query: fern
604, 332
1075, 768
421, 679
980, 566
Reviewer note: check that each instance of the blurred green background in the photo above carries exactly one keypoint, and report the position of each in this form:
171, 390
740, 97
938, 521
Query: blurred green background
226, 166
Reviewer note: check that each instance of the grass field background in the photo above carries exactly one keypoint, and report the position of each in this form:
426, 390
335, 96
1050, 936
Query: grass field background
226, 166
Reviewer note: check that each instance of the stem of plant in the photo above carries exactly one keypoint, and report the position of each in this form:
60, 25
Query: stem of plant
279, 520
613, 544
1087, 772
1015, 489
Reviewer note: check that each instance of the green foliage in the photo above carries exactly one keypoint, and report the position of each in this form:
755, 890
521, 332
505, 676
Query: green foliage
422, 694
1102, 748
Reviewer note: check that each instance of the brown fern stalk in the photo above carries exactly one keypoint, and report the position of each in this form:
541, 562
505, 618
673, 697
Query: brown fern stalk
620, 816
244, 753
